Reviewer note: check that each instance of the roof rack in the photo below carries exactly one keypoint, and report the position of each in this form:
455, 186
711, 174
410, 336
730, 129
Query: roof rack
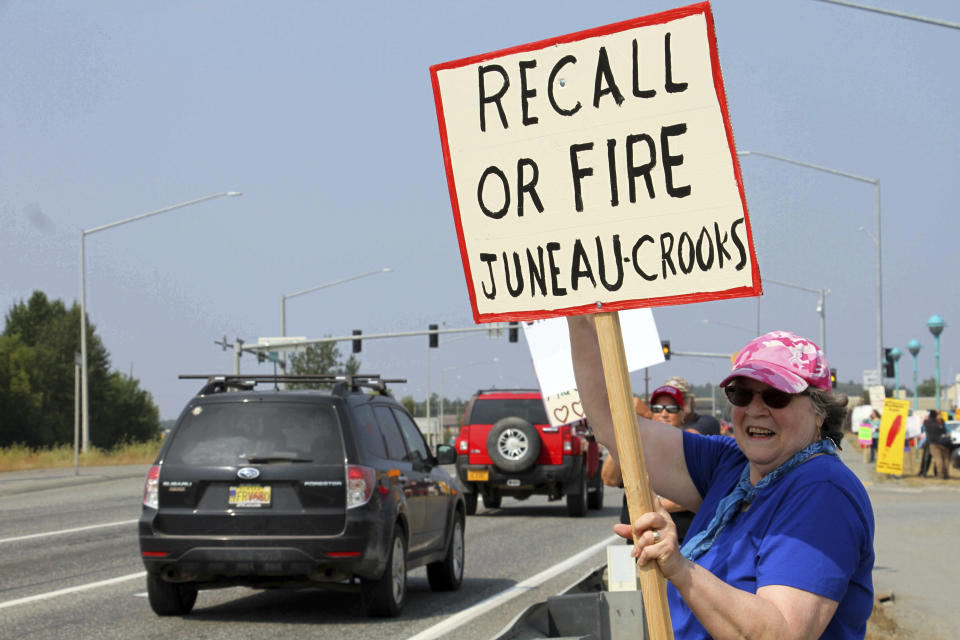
342, 383
507, 390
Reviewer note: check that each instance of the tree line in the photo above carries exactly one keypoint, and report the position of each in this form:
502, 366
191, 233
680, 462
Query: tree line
38, 350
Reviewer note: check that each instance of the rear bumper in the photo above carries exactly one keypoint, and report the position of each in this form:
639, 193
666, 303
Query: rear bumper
538, 478
359, 550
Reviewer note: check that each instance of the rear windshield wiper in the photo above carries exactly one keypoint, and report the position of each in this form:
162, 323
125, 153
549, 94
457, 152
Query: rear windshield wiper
268, 459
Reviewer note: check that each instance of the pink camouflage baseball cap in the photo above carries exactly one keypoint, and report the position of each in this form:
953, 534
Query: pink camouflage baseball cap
783, 360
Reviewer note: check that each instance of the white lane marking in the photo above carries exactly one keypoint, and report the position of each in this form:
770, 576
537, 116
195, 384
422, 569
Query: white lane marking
63, 531
63, 592
454, 621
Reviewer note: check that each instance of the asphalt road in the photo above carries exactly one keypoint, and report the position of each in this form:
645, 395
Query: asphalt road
918, 527
87, 582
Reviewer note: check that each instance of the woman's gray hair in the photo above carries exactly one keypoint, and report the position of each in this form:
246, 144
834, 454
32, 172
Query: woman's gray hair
832, 409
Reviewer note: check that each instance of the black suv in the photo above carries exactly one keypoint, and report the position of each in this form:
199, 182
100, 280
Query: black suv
292, 488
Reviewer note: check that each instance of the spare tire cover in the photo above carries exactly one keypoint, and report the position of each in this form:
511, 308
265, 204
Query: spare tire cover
513, 444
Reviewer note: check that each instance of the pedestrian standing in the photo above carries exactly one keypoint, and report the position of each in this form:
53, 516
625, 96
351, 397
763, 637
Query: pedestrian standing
874, 433
938, 440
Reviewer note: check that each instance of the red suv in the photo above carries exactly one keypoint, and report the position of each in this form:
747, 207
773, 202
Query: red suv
507, 447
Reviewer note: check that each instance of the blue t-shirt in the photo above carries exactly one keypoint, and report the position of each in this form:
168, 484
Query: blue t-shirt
811, 530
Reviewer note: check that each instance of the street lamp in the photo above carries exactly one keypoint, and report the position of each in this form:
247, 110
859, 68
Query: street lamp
914, 347
876, 184
283, 299
85, 392
936, 325
894, 356
821, 307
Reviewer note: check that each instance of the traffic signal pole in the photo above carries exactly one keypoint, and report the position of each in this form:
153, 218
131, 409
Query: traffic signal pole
253, 348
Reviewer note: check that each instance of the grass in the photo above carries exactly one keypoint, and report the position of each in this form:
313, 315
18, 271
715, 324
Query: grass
19, 457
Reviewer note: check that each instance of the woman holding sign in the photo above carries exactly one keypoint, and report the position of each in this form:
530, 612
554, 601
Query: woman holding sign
782, 542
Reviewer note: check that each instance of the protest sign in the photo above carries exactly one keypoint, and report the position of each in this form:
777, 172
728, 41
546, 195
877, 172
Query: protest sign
877, 394
592, 173
596, 168
549, 344
893, 428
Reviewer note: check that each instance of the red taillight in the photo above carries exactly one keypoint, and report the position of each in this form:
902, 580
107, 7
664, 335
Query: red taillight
154, 554
360, 483
343, 554
151, 488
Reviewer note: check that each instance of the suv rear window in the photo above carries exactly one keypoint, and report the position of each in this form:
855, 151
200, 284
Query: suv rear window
232, 433
489, 411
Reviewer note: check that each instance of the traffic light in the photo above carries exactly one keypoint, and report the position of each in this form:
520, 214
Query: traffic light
434, 338
356, 341
666, 349
888, 371
513, 331
833, 378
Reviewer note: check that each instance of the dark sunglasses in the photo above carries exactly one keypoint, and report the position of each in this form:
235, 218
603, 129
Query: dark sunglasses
773, 398
669, 408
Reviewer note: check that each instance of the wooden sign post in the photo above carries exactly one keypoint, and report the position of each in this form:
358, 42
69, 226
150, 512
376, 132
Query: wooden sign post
640, 498
596, 172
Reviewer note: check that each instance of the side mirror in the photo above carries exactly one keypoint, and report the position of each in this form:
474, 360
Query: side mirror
446, 454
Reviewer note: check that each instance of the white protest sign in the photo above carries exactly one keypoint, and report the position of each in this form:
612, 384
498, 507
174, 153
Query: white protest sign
877, 394
596, 167
549, 344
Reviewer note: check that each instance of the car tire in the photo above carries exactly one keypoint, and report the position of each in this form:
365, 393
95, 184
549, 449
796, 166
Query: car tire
170, 598
513, 444
955, 458
492, 501
595, 498
577, 502
385, 596
470, 498
447, 575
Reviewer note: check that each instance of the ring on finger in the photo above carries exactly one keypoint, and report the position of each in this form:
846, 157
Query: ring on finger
656, 536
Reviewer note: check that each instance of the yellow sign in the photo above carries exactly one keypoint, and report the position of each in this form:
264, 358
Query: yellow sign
893, 426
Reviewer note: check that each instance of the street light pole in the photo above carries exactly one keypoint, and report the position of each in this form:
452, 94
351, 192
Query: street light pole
914, 347
84, 388
821, 307
283, 299
876, 184
936, 325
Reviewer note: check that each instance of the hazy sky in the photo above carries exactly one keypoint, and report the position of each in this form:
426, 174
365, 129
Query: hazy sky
323, 115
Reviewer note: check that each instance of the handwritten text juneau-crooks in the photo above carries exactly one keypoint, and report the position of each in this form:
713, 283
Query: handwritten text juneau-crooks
597, 167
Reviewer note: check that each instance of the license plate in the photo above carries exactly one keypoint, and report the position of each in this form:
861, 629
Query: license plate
478, 476
249, 496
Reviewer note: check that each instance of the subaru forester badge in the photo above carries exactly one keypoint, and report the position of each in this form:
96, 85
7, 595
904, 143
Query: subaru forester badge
248, 473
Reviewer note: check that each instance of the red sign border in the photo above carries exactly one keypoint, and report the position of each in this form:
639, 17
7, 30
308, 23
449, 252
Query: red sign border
701, 8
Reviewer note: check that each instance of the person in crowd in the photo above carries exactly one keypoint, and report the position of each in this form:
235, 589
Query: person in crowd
938, 442
925, 457
667, 406
705, 424
670, 405
782, 542
610, 472
874, 433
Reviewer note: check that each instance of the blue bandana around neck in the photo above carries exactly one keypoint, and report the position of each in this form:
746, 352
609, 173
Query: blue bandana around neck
745, 493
